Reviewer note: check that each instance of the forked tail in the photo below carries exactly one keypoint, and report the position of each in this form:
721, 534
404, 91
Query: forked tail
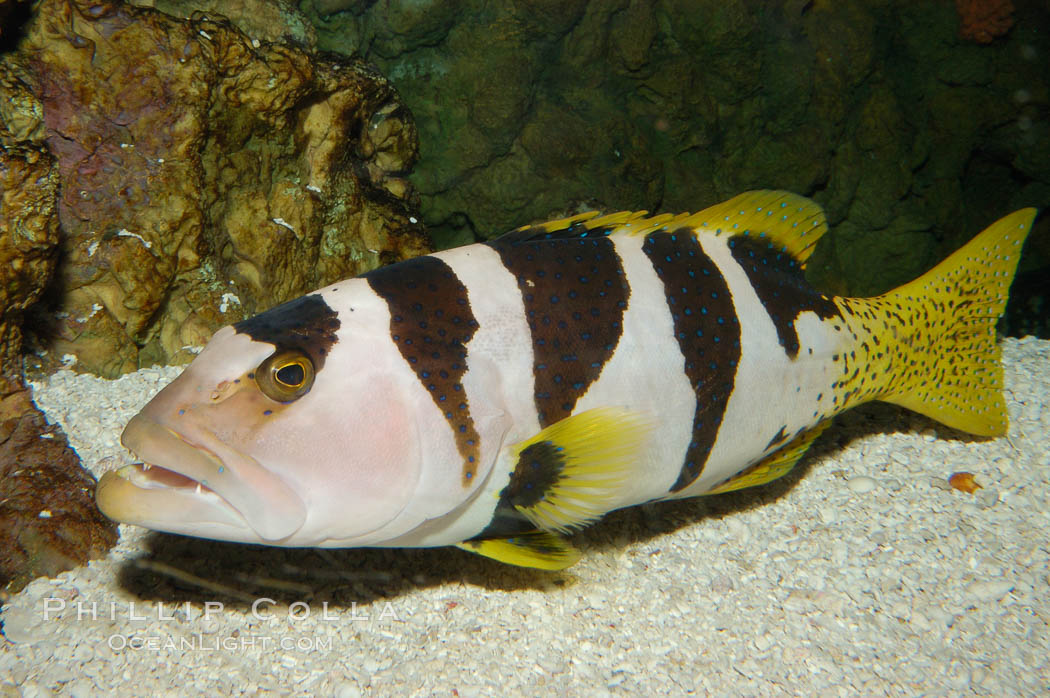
930, 345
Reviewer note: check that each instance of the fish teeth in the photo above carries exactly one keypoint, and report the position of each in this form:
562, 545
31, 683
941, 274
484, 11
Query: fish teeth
198, 488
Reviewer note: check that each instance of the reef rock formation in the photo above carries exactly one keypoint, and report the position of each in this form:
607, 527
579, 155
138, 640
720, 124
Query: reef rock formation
267, 20
28, 219
205, 175
48, 518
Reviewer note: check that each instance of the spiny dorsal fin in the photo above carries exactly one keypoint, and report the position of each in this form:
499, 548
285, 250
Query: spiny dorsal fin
793, 222
591, 223
540, 549
574, 471
776, 464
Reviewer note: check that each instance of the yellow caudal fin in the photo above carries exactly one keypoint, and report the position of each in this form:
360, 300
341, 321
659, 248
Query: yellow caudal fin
930, 345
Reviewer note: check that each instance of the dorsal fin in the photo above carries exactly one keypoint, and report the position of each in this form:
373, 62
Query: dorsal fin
588, 224
793, 222
789, 220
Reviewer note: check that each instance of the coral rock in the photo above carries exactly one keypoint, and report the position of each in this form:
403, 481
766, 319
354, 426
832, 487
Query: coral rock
48, 519
28, 220
205, 175
266, 20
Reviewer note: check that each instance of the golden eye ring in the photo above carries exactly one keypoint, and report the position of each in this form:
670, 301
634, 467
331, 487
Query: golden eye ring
286, 375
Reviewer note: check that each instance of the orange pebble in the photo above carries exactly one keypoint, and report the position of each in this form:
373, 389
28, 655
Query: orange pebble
964, 482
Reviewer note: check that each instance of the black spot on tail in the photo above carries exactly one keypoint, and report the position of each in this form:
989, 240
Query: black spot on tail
778, 438
539, 468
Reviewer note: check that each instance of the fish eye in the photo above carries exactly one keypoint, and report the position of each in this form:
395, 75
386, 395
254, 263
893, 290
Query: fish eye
285, 376
291, 375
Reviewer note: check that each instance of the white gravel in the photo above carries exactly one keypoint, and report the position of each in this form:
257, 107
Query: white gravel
863, 574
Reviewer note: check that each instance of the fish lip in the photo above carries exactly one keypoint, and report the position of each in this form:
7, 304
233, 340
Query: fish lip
120, 498
163, 436
239, 491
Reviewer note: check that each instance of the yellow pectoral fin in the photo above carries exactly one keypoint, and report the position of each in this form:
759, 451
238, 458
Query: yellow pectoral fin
538, 549
776, 464
575, 470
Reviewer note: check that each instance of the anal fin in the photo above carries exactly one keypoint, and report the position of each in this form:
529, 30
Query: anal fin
776, 464
539, 549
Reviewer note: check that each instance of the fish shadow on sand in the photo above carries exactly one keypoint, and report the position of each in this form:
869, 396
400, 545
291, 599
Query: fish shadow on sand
179, 569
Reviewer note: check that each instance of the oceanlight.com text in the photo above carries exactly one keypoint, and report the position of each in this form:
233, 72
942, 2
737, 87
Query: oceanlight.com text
202, 643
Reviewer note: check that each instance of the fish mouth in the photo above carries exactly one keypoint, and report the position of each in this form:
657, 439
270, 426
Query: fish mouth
161, 499
197, 487
148, 476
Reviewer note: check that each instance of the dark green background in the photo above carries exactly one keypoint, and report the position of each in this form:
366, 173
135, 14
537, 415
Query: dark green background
912, 137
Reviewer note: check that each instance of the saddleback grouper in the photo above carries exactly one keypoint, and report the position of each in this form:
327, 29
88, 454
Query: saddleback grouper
499, 395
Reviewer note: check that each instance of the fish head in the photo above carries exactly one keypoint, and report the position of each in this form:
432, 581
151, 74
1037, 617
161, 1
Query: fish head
287, 429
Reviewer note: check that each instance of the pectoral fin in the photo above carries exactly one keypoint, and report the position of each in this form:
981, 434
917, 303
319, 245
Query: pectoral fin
575, 470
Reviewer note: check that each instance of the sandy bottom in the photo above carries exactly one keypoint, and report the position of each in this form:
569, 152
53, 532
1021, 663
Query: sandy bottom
862, 572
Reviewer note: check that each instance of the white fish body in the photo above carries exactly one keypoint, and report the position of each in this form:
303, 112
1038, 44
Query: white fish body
498, 395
